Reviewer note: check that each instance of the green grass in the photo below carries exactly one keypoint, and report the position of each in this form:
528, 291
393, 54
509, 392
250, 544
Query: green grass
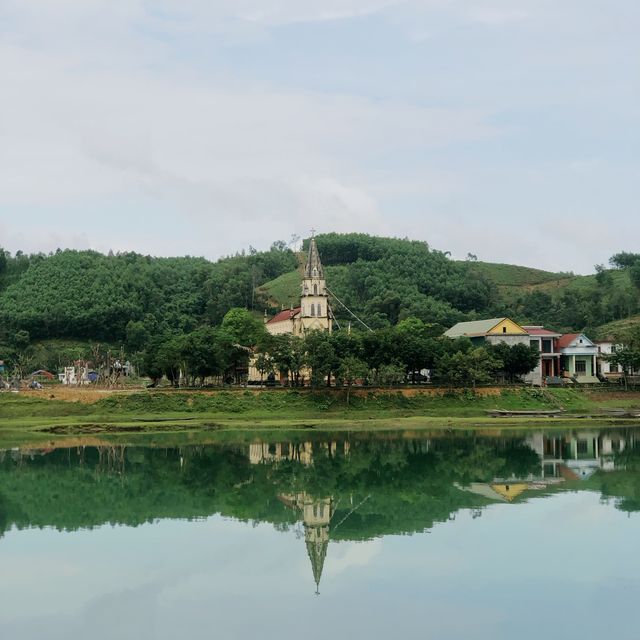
189, 412
617, 327
511, 275
285, 290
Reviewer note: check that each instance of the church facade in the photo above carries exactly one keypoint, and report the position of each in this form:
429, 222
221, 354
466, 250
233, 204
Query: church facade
314, 313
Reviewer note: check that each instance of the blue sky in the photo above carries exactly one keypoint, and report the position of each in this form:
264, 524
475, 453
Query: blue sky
506, 129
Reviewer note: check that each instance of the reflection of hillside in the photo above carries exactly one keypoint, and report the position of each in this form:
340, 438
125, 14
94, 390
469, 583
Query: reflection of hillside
399, 485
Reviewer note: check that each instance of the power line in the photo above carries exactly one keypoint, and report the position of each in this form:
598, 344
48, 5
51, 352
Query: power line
362, 322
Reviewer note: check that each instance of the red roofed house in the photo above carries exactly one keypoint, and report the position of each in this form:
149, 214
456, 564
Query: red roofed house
546, 342
578, 357
287, 321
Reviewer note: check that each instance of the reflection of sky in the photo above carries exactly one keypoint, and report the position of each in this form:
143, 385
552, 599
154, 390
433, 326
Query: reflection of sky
563, 566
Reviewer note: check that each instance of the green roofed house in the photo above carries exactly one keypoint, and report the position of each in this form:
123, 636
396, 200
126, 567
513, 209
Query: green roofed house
493, 331
496, 330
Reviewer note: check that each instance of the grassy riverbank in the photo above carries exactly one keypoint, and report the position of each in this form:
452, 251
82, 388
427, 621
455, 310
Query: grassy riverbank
89, 411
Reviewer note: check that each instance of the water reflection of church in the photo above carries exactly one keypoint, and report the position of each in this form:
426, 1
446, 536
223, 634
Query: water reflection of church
316, 517
316, 513
302, 452
563, 458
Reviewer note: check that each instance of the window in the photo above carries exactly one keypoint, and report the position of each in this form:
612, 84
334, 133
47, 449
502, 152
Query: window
504, 329
319, 311
582, 446
313, 309
315, 289
547, 346
581, 366
534, 343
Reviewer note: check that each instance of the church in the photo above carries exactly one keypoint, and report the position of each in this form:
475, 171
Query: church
314, 313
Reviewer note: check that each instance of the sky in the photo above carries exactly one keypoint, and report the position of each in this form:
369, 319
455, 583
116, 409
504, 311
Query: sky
502, 128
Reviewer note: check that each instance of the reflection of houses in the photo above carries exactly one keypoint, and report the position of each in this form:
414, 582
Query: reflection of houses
505, 491
562, 458
316, 518
576, 456
303, 452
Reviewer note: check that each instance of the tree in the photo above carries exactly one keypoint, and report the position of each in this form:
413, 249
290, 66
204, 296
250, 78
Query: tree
202, 354
624, 260
389, 375
474, 367
137, 335
517, 360
243, 327
414, 345
21, 339
603, 276
319, 356
626, 353
351, 370
264, 365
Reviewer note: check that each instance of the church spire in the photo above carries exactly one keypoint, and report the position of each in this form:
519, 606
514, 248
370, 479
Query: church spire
317, 549
313, 268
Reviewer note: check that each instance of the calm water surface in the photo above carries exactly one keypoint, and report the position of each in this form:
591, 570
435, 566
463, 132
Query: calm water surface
349, 536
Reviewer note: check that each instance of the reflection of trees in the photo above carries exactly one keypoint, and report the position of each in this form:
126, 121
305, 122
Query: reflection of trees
402, 485
624, 483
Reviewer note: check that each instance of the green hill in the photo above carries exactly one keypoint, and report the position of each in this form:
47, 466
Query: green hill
88, 296
511, 275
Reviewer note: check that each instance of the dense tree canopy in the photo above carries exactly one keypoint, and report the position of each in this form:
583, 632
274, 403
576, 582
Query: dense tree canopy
386, 280
407, 292
84, 294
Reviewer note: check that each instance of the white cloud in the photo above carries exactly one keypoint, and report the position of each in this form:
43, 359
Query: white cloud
139, 110
219, 154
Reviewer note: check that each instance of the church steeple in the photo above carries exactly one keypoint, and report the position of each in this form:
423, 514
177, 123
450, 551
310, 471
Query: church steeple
314, 299
317, 541
313, 268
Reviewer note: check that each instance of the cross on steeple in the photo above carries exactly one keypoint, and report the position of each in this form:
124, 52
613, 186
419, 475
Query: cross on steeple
313, 233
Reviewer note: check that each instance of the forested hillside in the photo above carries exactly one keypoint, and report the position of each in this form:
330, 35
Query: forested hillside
84, 294
385, 280
89, 296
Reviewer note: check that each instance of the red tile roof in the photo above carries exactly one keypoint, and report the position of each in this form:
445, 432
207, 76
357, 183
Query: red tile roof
567, 339
287, 314
539, 331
